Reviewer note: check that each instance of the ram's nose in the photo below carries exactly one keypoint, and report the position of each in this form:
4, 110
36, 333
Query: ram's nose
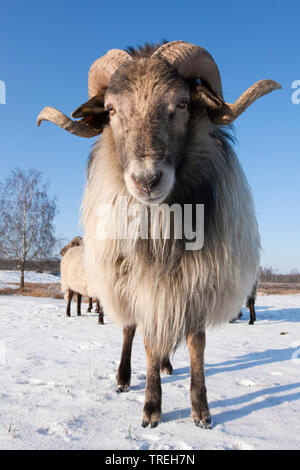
146, 183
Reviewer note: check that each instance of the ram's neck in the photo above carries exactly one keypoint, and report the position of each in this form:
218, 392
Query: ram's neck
206, 164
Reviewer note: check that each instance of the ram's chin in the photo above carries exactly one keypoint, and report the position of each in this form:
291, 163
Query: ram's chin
152, 200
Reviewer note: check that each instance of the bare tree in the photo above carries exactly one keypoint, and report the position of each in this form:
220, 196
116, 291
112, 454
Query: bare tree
273, 275
26, 218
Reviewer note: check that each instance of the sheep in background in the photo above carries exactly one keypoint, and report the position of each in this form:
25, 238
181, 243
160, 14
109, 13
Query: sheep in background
98, 308
250, 304
162, 143
76, 241
74, 263
74, 279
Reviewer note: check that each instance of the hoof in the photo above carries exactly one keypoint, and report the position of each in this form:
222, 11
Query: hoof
152, 424
166, 367
204, 424
167, 370
151, 415
123, 388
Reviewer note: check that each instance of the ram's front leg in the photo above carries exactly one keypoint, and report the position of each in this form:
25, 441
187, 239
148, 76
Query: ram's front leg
99, 310
200, 410
152, 407
124, 371
70, 295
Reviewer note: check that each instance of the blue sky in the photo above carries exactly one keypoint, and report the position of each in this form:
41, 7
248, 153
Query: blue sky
47, 49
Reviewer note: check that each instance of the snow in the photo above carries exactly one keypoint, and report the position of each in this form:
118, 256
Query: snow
8, 278
57, 382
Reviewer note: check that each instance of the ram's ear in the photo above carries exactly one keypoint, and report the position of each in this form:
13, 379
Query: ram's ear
93, 113
205, 97
94, 118
94, 106
221, 113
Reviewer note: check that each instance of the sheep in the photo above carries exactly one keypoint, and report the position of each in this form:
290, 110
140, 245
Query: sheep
73, 263
162, 143
250, 303
76, 241
74, 279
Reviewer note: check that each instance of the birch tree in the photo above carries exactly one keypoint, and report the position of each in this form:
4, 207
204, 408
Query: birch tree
26, 219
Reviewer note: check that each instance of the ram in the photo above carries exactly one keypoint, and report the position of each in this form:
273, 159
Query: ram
163, 143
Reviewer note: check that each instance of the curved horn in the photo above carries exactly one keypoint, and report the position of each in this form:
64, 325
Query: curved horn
192, 61
99, 76
103, 68
75, 127
230, 111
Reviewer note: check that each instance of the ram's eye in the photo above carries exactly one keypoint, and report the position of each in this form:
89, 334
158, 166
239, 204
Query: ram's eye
183, 104
110, 109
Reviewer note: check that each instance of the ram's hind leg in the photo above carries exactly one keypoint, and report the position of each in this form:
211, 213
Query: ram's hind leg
200, 410
79, 297
124, 371
152, 406
70, 295
90, 307
252, 313
99, 310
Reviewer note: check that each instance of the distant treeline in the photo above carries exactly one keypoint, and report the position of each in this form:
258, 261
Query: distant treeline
46, 265
53, 266
272, 275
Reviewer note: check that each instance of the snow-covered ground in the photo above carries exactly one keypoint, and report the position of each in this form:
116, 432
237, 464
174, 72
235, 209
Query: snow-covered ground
9, 278
57, 382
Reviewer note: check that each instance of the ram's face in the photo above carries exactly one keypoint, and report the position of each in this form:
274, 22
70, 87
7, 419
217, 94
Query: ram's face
148, 103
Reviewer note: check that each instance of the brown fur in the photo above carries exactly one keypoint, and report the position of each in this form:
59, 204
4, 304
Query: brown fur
124, 371
70, 296
152, 406
99, 310
200, 410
